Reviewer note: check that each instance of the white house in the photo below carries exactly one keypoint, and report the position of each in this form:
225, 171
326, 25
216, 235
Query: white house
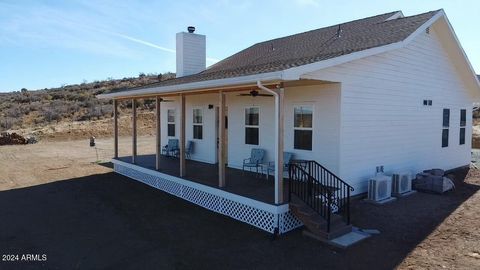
387, 90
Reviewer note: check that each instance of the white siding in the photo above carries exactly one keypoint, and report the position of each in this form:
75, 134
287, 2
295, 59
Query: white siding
384, 121
325, 100
237, 149
205, 149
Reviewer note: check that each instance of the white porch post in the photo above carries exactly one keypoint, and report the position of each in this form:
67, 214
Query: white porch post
221, 140
115, 128
279, 124
134, 130
158, 133
182, 136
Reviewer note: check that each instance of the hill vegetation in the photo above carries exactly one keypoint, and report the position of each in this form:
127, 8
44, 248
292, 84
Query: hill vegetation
26, 109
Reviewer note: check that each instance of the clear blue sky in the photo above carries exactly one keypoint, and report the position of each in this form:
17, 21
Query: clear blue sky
50, 43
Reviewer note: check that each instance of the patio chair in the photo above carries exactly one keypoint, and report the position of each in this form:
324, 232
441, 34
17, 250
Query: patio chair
171, 149
255, 160
287, 158
189, 149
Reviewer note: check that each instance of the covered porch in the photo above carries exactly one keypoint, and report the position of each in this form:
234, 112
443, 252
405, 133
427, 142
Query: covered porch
207, 180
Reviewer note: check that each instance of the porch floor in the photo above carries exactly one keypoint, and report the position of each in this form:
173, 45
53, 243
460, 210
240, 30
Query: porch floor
246, 184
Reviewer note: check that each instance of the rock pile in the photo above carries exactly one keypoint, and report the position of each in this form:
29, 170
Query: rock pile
12, 138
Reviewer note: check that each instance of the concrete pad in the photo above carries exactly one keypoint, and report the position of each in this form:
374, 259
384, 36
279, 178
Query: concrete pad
349, 239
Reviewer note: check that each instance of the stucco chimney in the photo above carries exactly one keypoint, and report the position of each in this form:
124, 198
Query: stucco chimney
191, 52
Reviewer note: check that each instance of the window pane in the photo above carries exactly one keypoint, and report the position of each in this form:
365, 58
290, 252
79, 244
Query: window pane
462, 136
171, 130
463, 117
446, 117
198, 132
303, 117
303, 139
197, 116
251, 136
171, 116
444, 137
251, 116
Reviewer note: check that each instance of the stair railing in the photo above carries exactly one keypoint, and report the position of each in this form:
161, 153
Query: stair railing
320, 189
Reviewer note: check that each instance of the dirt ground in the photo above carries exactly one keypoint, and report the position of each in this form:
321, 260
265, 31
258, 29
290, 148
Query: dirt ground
57, 200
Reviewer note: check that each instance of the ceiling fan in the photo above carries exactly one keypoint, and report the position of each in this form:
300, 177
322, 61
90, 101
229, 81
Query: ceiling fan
166, 100
254, 93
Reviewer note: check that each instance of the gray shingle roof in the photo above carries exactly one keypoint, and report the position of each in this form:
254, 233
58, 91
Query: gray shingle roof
308, 47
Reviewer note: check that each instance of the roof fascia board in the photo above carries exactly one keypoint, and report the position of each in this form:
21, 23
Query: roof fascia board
270, 76
424, 27
462, 51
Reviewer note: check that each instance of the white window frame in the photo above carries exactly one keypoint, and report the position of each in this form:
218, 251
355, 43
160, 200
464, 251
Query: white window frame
311, 105
174, 121
197, 124
464, 127
447, 128
250, 126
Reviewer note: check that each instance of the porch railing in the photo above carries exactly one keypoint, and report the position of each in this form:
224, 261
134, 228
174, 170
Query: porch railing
320, 189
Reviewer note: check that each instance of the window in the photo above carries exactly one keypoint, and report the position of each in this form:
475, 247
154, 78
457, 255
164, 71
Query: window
171, 122
463, 124
198, 124
303, 127
446, 118
251, 125
446, 125
427, 102
463, 117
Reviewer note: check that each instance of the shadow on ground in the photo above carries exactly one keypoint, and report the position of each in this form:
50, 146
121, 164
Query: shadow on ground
109, 221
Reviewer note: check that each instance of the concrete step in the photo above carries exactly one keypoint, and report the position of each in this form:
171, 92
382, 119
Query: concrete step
316, 224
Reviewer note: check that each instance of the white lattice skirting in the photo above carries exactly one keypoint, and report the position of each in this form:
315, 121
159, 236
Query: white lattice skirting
262, 215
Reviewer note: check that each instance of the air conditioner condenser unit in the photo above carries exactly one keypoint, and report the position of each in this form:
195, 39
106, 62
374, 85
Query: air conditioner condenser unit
401, 184
380, 188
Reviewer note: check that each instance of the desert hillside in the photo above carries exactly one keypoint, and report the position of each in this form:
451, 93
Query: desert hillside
72, 111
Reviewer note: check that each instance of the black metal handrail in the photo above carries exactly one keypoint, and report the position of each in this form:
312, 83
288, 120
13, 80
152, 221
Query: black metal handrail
320, 189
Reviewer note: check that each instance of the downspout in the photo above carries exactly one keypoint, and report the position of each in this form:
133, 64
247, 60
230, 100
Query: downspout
277, 109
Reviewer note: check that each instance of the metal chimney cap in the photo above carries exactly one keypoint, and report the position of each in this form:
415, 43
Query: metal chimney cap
191, 29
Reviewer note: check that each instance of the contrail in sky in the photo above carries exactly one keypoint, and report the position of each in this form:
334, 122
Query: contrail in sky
149, 44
